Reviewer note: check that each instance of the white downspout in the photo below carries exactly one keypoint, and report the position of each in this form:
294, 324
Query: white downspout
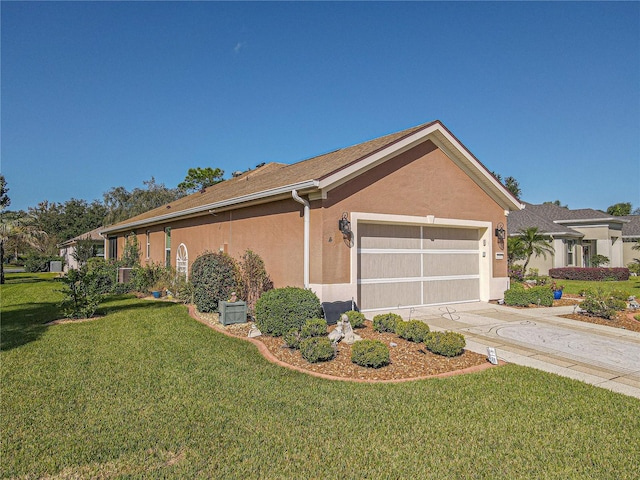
297, 198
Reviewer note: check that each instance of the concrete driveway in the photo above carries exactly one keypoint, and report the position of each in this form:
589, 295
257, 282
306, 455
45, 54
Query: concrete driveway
604, 356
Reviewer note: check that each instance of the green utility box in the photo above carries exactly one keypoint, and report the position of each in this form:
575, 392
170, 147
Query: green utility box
232, 312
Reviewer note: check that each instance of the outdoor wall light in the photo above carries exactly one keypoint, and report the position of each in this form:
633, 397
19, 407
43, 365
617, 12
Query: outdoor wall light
344, 225
500, 232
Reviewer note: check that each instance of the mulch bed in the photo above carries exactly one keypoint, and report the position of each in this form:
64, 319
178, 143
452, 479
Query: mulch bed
622, 320
408, 359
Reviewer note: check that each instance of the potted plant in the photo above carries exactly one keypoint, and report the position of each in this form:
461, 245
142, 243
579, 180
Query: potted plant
157, 290
557, 290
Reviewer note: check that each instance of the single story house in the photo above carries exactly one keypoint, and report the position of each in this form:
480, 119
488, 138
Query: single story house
576, 235
630, 238
69, 248
404, 220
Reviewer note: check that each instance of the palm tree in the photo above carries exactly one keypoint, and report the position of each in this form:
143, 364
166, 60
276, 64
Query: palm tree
18, 227
534, 243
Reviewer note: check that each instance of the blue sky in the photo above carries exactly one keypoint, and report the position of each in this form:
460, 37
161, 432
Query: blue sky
103, 94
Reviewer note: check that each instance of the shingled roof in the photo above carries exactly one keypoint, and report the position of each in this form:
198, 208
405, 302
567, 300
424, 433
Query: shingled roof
632, 228
540, 216
551, 219
275, 179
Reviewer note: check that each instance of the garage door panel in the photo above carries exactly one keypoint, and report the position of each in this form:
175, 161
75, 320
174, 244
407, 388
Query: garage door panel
447, 291
389, 265
451, 264
450, 238
381, 295
388, 236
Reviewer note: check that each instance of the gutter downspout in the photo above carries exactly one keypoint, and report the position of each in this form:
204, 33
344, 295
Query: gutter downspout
302, 201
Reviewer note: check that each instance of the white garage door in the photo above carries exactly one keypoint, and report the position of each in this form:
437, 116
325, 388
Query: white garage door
412, 265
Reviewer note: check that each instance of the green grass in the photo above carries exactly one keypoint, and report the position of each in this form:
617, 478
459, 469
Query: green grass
146, 392
632, 286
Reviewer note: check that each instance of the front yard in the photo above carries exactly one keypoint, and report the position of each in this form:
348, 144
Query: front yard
147, 392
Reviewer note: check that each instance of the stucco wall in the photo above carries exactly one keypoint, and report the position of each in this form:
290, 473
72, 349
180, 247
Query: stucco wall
422, 181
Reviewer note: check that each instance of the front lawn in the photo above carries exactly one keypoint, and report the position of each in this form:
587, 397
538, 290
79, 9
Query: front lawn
147, 392
576, 287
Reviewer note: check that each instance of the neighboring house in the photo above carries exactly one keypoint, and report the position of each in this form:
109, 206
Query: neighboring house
419, 213
576, 235
630, 238
68, 248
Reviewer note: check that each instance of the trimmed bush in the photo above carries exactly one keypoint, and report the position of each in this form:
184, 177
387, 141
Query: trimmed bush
448, 344
370, 353
519, 296
292, 339
413, 330
386, 322
317, 349
356, 319
281, 310
593, 274
314, 327
213, 276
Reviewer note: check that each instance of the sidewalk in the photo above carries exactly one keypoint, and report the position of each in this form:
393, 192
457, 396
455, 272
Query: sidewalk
603, 356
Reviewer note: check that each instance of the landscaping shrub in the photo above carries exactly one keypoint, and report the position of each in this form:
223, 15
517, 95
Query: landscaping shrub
314, 327
634, 267
214, 278
448, 344
592, 274
413, 330
103, 274
370, 353
317, 349
280, 310
81, 298
519, 296
292, 338
386, 322
605, 305
356, 319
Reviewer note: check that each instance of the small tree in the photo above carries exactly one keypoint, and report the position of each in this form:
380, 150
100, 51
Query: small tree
534, 243
253, 279
85, 249
131, 252
81, 294
599, 260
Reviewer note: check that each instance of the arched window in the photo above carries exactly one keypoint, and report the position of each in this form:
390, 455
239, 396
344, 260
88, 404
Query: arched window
182, 261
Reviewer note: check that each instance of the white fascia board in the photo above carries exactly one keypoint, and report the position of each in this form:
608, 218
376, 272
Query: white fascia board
593, 220
460, 156
213, 206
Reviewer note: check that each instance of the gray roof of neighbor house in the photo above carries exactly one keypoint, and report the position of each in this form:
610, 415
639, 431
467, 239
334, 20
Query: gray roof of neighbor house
275, 179
551, 219
632, 228
540, 216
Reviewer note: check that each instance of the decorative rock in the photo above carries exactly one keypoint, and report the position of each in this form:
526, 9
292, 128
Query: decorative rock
393, 344
254, 332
